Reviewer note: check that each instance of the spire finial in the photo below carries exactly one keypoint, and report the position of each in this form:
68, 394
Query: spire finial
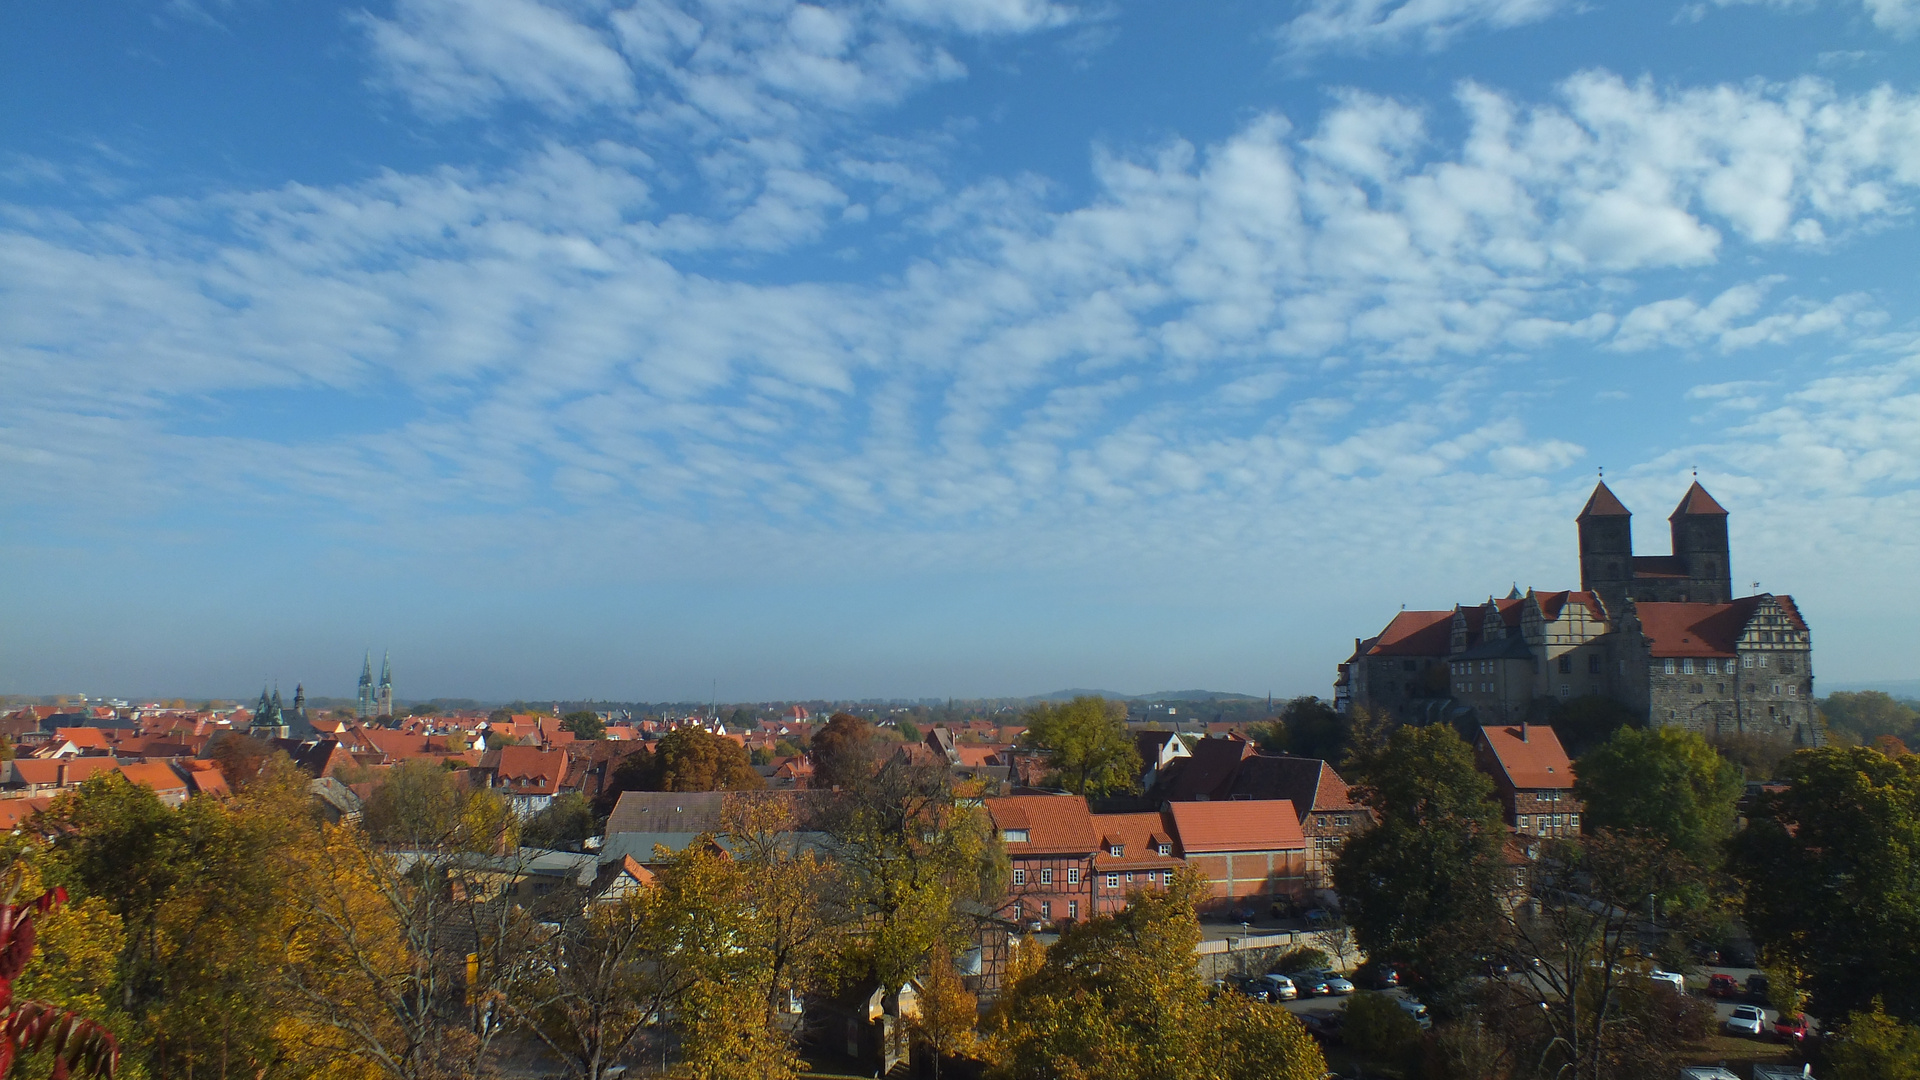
1602, 470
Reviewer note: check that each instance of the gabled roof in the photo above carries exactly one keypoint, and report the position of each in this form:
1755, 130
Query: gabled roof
42, 771
1415, 633
1697, 502
1530, 755
1602, 503
1706, 630
1055, 824
154, 774
679, 811
1239, 825
1308, 783
1138, 836
1208, 771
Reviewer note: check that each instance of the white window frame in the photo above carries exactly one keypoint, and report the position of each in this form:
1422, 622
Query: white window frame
1073, 875
1046, 876
1113, 881
1019, 877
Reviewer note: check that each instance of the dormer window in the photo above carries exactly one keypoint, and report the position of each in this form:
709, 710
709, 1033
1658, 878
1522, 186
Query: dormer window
1166, 849
1014, 836
1116, 850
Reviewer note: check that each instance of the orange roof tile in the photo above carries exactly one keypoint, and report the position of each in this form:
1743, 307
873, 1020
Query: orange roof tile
1531, 756
1239, 825
1055, 824
1602, 503
1139, 837
1697, 501
1704, 630
1415, 633
154, 774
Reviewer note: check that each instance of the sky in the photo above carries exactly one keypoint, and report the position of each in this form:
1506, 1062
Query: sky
659, 349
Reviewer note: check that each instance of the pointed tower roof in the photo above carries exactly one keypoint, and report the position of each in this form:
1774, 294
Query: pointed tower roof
1697, 501
366, 670
386, 669
1603, 503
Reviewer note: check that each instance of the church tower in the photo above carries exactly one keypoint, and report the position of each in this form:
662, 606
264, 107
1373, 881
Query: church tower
1606, 547
1700, 546
384, 699
366, 687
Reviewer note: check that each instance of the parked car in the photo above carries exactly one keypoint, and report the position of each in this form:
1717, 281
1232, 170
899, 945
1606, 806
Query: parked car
1323, 1026
1416, 1010
1722, 986
1378, 976
1321, 983
1749, 1020
1758, 987
1278, 987
1790, 1029
1252, 988
1670, 978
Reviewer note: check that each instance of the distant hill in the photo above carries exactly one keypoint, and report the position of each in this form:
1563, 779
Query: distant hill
1162, 695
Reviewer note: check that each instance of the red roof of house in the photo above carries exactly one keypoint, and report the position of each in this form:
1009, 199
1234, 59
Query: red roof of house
1709, 630
1415, 633
1055, 824
154, 774
1602, 503
15, 811
531, 769
42, 771
1697, 501
1239, 825
1531, 756
86, 738
1139, 837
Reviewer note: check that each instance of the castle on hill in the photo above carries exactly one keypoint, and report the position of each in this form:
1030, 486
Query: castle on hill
1662, 635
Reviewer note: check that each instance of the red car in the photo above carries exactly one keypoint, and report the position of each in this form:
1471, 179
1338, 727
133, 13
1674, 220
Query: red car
1790, 1029
1723, 986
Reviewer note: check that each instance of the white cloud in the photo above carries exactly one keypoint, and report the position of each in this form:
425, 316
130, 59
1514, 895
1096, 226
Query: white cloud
1368, 26
1897, 17
463, 57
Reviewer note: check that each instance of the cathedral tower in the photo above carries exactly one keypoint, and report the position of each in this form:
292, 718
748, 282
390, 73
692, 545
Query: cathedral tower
1700, 546
1606, 547
384, 699
366, 688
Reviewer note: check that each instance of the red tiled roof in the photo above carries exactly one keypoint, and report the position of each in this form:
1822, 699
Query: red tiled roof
1415, 633
1697, 501
154, 774
1602, 503
531, 768
1208, 770
87, 738
1139, 837
1239, 825
42, 771
15, 811
1709, 630
1531, 755
1055, 824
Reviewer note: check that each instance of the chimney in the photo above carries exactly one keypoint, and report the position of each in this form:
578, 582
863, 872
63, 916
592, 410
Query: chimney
1523, 731
60, 774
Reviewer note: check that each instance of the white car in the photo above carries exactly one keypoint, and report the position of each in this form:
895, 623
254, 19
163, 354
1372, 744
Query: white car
1416, 1010
1747, 1020
1671, 978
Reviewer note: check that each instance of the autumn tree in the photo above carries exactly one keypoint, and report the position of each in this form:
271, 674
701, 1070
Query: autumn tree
584, 724
1587, 1005
564, 822
240, 757
689, 759
844, 752
1422, 886
1830, 865
31, 1027
1310, 727
1118, 998
588, 988
1087, 745
949, 1014
796, 893
1872, 1046
1665, 781
910, 854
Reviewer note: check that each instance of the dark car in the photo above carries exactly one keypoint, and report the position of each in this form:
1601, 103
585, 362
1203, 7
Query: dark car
1252, 988
1378, 976
1323, 1026
1758, 986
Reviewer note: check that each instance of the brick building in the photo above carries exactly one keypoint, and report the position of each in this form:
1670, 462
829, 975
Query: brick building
1661, 634
1136, 852
1251, 851
1532, 776
1050, 842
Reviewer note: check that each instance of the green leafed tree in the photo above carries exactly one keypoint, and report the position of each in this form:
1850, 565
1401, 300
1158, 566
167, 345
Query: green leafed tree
844, 752
1422, 887
584, 724
1664, 781
1118, 998
1831, 870
689, 759
1087, 742
1873, 1045
1859, 718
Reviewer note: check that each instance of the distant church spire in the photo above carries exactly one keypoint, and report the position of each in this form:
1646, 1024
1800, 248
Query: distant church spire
383, 704
366, 687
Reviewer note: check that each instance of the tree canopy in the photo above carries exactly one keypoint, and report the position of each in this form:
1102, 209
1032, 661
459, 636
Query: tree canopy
1421, 887
1087, 743
1859, 718
1666, 781
844, 752
1118, 998
584, 724
1831, 869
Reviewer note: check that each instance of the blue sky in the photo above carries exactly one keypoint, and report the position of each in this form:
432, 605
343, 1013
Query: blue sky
623, 348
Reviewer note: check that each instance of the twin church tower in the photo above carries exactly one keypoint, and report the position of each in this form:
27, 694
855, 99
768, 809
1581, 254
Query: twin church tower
376, 700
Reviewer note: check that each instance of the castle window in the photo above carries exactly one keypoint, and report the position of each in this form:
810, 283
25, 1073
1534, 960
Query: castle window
1686, 667
1593, 664
1566, 665
1565, 690
1793, 691
1746, 661
1786, 666
1763, 661
1669, 665
1776, 689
